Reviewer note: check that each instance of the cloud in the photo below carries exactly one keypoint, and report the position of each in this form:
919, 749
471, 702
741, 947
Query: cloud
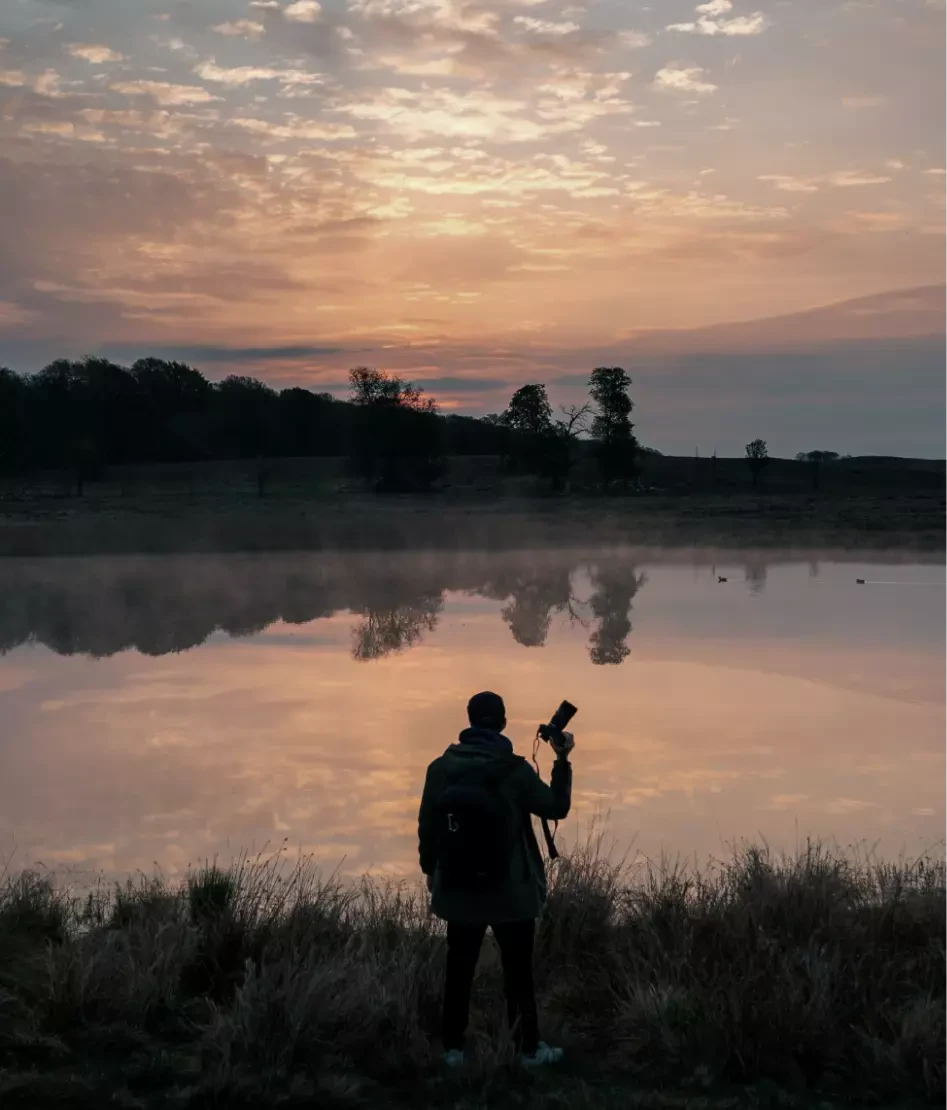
634, 40
471, 115
688, 79
715, 7
545, 26
195, 352
450, 172
709, 21
70, 210
63, 129
241, 28
294, 128
164, 93
788, 184
453, 384
841, 179
303, 11
471, 38
237, 75
46, 84
243, 75
94, 53
849, 178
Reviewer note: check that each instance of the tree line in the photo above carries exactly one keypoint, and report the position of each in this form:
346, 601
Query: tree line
80, 416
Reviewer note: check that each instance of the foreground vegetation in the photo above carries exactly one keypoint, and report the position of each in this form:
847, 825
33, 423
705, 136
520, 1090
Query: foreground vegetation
762, 981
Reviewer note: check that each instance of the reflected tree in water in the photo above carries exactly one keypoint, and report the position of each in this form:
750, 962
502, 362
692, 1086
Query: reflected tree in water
99, 606
534, 596
383, 632
755, 575
614, 587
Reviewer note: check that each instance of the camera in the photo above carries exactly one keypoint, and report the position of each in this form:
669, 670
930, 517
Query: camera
560, 719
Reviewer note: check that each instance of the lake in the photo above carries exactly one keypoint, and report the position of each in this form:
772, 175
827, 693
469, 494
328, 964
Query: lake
164, 710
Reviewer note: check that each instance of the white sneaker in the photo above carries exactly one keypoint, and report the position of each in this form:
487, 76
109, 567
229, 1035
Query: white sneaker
544, 1054
453, 1058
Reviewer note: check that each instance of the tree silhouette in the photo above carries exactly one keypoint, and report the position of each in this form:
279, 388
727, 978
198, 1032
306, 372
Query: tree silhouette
177, 398
528, 419
80, 416
13, 443
529, 411
76, 431
397, 441
611, 426
310, 423
559, 445
537, 443
614, 588
816, 459
246, 413
757, 459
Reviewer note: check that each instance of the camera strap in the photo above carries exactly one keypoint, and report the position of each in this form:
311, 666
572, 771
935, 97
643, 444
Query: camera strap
550, 837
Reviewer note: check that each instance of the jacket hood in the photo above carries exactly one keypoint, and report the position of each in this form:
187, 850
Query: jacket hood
485, 738
481, 745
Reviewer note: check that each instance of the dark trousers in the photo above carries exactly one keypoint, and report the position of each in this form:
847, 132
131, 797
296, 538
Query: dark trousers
515, 939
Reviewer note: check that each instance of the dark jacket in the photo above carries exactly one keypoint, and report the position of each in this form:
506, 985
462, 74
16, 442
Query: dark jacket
523, 894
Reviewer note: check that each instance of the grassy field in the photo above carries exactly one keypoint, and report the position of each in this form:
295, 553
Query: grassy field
309, 504
764, 982
220, 522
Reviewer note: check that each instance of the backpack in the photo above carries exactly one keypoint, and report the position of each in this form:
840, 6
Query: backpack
476, 832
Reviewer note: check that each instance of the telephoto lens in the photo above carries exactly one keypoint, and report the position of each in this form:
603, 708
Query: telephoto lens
563, 716
560, 719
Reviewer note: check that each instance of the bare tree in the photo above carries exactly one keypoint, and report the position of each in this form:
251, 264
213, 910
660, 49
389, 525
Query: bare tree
576, 420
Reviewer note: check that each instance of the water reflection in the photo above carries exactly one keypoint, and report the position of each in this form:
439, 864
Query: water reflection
100, 607
615, 586
754, 572
533, 597
392, 629
772, 701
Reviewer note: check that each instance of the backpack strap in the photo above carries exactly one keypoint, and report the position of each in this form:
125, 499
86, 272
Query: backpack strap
491, 778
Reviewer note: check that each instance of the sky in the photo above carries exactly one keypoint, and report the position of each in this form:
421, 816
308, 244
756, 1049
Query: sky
740, 201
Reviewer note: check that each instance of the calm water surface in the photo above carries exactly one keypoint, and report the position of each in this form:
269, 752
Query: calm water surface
165, 710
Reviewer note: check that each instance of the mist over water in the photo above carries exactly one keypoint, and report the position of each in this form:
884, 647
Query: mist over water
165, 709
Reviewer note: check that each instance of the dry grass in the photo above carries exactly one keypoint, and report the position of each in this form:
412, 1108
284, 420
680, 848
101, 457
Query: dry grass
759, 981
163, 522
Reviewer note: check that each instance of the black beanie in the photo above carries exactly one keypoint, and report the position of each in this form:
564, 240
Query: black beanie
486, 710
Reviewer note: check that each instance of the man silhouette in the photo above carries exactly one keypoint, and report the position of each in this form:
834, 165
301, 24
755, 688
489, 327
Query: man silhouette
506, 893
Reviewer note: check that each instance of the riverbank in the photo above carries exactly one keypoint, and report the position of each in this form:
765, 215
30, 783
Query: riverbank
109, 523
758, 982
